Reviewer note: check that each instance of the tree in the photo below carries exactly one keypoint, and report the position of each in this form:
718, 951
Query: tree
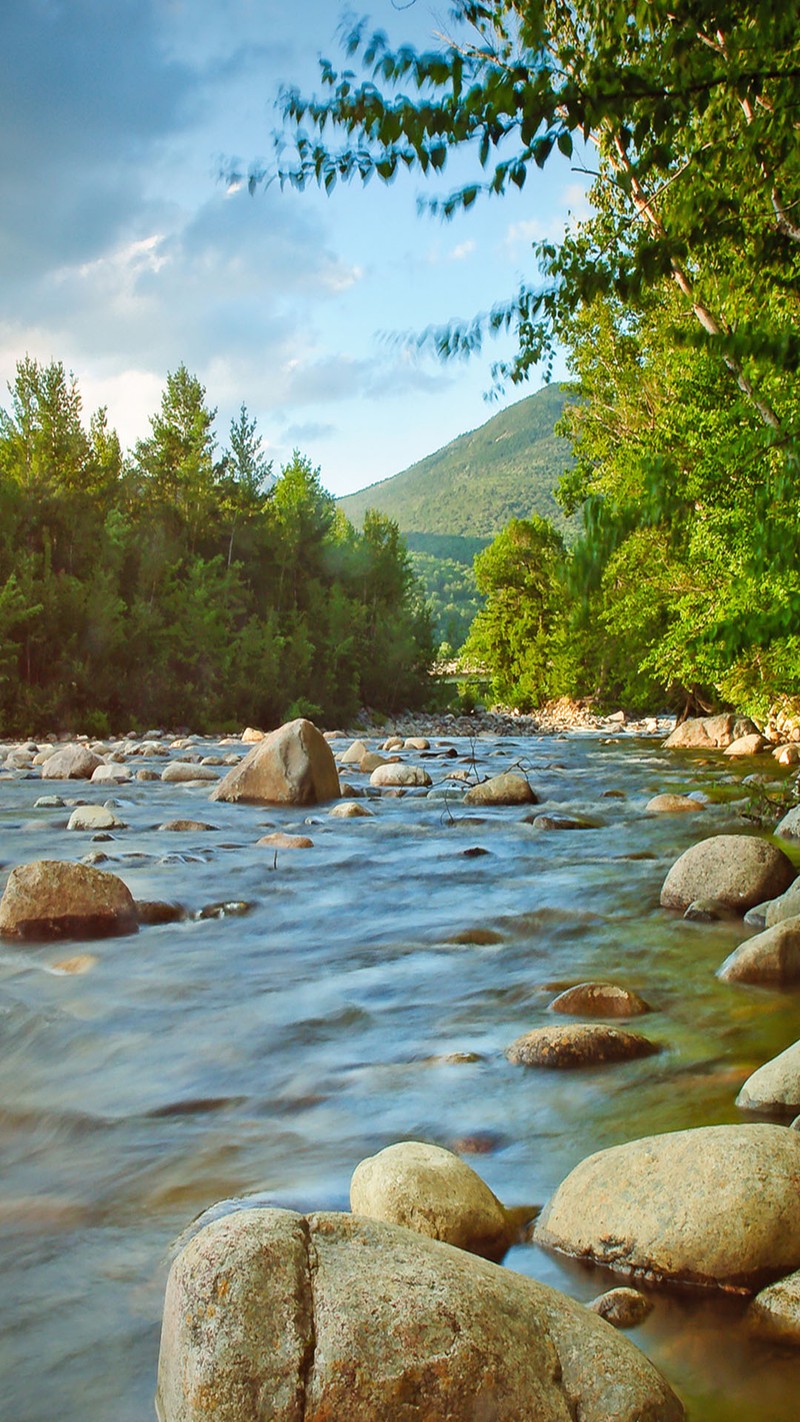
689, 111
176, 463
516, 634
244, 476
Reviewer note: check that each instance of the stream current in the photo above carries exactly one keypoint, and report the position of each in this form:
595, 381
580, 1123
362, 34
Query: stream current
266, 1053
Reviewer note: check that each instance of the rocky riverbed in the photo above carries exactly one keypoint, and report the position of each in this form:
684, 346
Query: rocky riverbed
331, 984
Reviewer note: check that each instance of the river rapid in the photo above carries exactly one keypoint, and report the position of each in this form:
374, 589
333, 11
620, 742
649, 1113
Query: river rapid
366, 996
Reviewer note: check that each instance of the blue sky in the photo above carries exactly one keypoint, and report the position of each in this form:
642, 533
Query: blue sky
123, 254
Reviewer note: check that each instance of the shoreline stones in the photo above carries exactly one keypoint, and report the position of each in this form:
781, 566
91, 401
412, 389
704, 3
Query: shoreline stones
334, 1317
715, 1206
775, 1086
736, 870
435, 1193
772, 956
292, 766
586, 1044
54, 899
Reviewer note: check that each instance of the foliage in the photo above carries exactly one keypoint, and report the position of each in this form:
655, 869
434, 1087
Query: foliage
183, 586
517, 633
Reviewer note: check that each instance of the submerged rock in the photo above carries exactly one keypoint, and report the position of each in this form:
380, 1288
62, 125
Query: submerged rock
154, 911
714, 1206
775, 1312
292, 766
334, 1318
280, 840
586, 1044
54, 899
432, 1191
623, 1308
738, 870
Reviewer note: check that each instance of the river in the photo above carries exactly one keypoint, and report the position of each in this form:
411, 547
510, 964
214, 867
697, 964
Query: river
265, 1053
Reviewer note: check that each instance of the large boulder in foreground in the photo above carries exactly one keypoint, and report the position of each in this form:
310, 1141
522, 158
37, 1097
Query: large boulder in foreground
771, 957
710, 732
715, 1206
775, 1086
334, 1318
71, 763
434, 1192
292, 766
53, 899
736, 870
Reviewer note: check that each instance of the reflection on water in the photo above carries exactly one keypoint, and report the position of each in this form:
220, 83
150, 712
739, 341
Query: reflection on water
269, 1052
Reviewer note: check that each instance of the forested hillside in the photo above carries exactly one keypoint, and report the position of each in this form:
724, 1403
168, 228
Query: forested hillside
507, 468
182, 584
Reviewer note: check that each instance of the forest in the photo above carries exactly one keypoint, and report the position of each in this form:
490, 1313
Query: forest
185, 585
676, 301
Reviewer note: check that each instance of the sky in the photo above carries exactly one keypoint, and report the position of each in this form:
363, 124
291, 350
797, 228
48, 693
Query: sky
124, 253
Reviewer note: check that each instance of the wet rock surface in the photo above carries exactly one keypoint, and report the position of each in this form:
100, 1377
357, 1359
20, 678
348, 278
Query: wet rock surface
578, 1046
737, 871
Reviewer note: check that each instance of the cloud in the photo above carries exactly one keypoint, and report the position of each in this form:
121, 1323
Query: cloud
310, 431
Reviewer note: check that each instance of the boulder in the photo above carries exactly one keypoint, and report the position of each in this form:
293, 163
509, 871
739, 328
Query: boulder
395, 774
506, 789
744, 746
737, 870
599, 1000
769, 957
432, 1191
586, 1044
787, 905
113, 774
354, 754
335, 1318
94, 817
715, 1206
789, 826
292, 766
418, 743
350, 810
775, 1312
787, 755
370, 761
53, 899
775, 1086
671, 805
624, 1308
251, 736
710, 732
181, 772
155, 911
71, 763
561, 822
187, 826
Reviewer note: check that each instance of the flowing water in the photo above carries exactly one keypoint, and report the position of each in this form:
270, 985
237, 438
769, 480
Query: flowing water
268, 1052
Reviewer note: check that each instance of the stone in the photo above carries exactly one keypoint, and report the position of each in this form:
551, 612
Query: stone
622, 1308
789, 826
599, 1000
94, 817
560, 822
187, 826
181, 772
587, 1044
738, 870
432, 1191
350, 810
113, 774
769, 957
54, 899
787, 905
292, 766
280, 840
775, 1086
714, 1206
250, 736
145, 774
707, 911
671, 805
370, 761
393, 743
775, 1312
335, 1318
744, 746
506, 789
396, 774
787, 755
71, 763
354, 754
418, 743
709, 732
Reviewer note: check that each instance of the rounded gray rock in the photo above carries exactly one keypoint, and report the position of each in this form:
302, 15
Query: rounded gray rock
771, 957
738, 870
775, 1086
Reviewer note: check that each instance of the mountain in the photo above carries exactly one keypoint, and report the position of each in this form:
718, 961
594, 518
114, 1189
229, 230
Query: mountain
507, 468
